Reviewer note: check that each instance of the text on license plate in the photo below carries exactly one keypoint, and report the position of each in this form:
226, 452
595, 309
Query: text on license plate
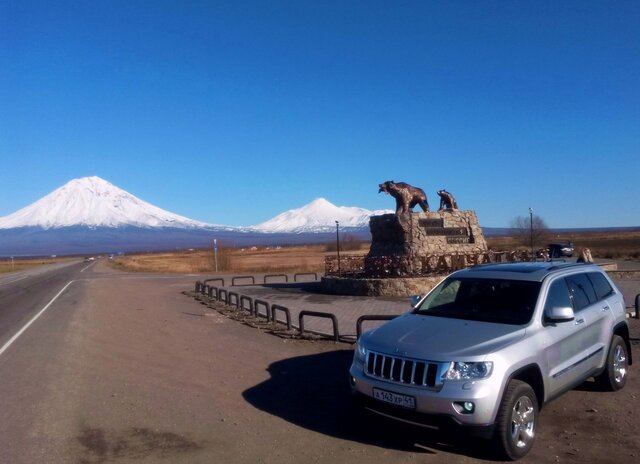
395, 398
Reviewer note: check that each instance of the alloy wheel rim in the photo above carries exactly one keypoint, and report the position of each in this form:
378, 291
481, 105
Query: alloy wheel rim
619, 364
522, 422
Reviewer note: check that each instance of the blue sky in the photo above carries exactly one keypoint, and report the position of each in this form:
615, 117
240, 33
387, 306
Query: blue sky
232, 112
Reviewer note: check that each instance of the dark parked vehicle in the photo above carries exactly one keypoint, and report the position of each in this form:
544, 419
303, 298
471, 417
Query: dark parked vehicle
560, 250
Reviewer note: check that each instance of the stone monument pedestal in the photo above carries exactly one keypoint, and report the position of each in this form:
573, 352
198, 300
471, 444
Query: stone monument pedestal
410, 253
403, 244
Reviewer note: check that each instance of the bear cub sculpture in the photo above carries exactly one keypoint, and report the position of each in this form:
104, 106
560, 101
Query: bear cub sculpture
447, 202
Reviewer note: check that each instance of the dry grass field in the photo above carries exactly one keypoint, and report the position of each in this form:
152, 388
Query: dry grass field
7, 265
619, 245
285, 259
609, 245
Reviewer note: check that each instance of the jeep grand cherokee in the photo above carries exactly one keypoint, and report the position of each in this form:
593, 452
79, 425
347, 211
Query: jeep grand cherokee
490, 345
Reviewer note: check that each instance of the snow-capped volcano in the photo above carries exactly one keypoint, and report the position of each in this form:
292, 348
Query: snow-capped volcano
94, 202
90, 215
318, 216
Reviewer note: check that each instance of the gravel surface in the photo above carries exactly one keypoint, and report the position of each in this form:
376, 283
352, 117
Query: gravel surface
128, 369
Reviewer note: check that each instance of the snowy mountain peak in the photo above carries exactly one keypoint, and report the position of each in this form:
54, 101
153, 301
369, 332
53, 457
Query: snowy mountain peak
92, 182
93, 202
318, 216
319, 206
320, 202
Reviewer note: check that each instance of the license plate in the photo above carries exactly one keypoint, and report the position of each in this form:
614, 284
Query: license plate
396, 399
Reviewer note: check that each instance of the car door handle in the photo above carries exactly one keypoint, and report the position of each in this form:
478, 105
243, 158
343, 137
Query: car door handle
606, 308
579, 321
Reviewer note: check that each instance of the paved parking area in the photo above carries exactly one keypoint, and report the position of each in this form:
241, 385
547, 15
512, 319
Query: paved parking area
299, 296
309, 297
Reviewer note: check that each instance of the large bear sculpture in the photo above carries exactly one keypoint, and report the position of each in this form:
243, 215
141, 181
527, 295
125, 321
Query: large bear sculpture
407, 196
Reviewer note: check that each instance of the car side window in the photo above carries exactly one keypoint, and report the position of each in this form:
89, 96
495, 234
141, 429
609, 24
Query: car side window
581, 291
558, 296
600, 284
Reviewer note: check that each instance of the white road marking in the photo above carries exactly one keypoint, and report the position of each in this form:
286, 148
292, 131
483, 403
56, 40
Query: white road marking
14, 280
21, 331
84, 269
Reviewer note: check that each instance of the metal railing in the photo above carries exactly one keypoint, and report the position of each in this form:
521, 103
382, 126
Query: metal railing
213, 292
334, 320
236, 278
372, 317
243, 299
269, 276
233, 296
256, 305
301, 274
285, 310
246, 303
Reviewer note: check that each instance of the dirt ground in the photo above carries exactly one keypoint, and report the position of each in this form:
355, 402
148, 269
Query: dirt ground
247, 396
127, 369
308, 391
288, 401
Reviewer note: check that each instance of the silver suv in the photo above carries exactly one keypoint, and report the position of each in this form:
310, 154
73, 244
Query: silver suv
490, 345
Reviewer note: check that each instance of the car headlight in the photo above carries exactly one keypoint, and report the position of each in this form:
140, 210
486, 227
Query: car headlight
360, 352
468, 370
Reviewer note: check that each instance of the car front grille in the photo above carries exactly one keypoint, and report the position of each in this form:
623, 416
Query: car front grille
403, 370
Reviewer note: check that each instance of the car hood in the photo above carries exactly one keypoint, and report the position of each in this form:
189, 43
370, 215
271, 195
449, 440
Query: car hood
439, 338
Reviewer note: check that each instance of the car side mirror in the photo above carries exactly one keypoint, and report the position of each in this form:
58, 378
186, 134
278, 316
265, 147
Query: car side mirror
415, 299
560, 314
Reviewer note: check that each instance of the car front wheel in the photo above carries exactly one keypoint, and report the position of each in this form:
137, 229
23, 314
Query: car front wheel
516, 421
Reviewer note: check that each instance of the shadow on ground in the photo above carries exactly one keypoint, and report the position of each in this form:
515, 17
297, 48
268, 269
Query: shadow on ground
313, 392
296, 287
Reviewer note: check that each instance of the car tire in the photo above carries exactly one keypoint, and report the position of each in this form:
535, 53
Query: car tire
614, 376
516, 421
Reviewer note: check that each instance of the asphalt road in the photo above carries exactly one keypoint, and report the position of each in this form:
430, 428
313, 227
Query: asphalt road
23, 294
124, 368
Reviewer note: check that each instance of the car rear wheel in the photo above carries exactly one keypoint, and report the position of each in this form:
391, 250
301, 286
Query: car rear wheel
614, 376
516, 421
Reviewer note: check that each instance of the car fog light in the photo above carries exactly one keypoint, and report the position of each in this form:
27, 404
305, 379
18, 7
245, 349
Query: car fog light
465, 407
353, 380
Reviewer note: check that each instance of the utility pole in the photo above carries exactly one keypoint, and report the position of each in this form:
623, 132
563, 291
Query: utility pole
531, 232
215, 252
338, 246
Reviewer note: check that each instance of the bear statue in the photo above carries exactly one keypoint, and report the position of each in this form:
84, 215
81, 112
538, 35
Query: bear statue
446, 200
406, 196
585, 256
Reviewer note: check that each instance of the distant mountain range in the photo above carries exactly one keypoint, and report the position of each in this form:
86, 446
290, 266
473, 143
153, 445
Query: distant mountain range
91, 215
93, 202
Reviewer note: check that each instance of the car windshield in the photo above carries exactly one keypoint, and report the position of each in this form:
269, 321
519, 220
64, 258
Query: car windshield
487, 300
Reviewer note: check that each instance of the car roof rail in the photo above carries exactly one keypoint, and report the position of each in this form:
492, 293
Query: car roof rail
566, 265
